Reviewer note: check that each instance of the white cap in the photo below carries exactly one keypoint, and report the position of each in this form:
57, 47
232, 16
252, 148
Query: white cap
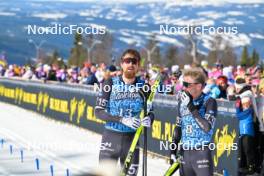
46, 67
186, 67
240, 86
245, 100
204, 63
227, 71
174, 68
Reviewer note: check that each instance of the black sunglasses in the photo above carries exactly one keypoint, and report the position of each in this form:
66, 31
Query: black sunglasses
129, 60
186, 84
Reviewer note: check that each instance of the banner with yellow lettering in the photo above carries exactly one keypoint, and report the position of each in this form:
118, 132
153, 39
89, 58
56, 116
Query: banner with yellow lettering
76, 106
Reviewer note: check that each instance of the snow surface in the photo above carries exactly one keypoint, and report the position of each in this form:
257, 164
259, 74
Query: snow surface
233, 21
171, 2
53, 143
235, 13
212, 14
256, 35
54, 16
7, 14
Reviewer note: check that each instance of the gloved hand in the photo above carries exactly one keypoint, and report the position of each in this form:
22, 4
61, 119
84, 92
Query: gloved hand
187, 100
173, 159
131, 122
146, 122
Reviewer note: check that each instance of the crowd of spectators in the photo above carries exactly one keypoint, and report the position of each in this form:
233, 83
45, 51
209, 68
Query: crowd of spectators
220, 83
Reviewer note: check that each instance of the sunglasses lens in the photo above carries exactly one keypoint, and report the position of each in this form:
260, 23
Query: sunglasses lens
126, 61
134, 61
186, 84
130, 60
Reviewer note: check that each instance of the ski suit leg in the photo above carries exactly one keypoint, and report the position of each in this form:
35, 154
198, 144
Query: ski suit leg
110, 148
197, 162
126, 142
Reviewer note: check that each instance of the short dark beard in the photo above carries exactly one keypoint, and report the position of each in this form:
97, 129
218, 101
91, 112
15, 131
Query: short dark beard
129, 75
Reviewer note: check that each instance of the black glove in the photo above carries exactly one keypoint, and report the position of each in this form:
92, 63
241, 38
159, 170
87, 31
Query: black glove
176, 157
187, 100
173, 159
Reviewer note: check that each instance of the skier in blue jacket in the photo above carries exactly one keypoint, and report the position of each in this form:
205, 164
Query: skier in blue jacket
120, 108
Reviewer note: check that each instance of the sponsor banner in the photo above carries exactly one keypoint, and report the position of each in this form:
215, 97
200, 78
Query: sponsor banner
75, 105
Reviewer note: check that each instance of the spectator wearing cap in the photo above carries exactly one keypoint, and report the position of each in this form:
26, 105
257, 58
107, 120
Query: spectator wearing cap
90, 78
175, 69
228, 72
174, 82
112, 70
108, 72
187, 66
221, 82
204, 65
245, 110
73, 75
169, 82
244, 90
119, 71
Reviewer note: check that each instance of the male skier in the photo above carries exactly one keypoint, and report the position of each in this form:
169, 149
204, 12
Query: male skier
194, 126
120, 108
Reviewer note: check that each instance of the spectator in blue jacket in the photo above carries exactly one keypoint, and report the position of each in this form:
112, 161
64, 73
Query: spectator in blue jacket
212, 89
245, 115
